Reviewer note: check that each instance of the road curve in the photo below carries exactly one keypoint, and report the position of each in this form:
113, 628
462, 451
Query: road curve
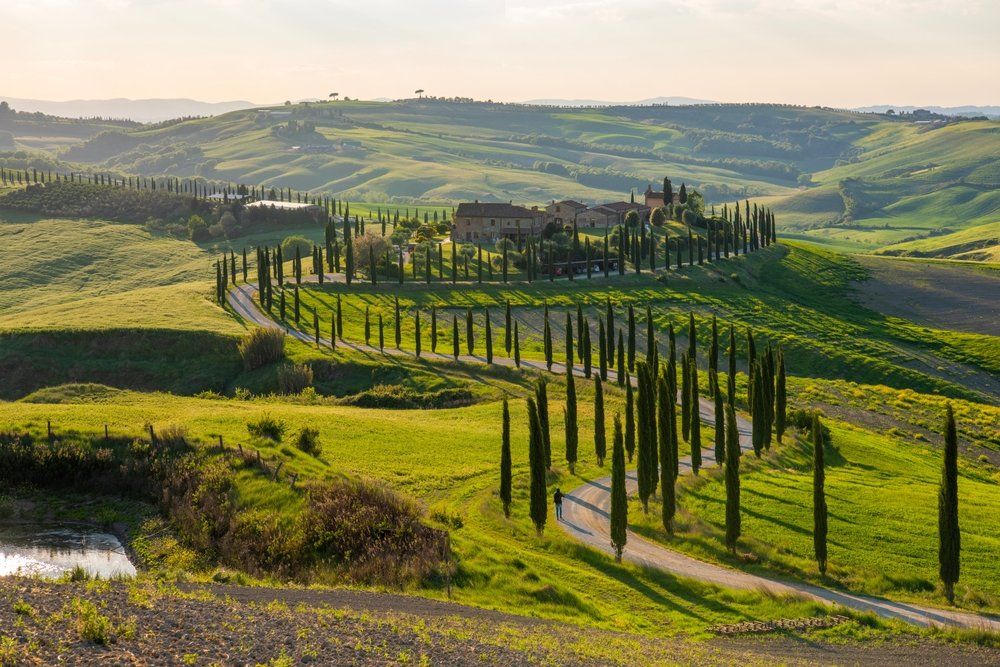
586, 509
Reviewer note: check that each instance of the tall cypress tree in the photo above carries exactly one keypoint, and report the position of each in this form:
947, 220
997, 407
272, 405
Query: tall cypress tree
600, 434
695, 420
297, 304
731, 379
651, 351
949, 536
434, 329
585, 346
340, 320
579, 331
756, 410
631, 338
470, 343
609, 316
646, 421
547, 339
397, 325
720, 425
780, 398
542, 398
602, 350
416, 333
368, 327
517, 346
685, 397
629, 418
713, 357
488, 334
570, 417
620, 371
538, 504
569, 344
732, 480
819, 495
381, 334
506, 327
619, 499
667, 463
505, 463
454, 336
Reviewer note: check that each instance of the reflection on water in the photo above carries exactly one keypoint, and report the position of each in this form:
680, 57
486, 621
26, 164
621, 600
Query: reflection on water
50, 550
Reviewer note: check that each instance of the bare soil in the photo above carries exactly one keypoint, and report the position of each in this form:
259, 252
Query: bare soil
157, 624
936, 294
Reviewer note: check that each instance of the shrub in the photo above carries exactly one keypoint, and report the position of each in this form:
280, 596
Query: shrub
290, 243
197, 228
91, 625
308, 441
403, 398
172, 435
261, 346
369, 240
294, 378
375, 534
267, 426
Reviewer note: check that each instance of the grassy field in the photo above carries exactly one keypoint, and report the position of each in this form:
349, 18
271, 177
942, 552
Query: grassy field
979, 243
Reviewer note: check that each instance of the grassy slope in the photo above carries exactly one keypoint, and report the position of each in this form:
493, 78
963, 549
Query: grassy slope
913, 182
980, 243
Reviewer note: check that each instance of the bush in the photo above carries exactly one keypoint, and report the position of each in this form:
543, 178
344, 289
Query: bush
362, 244
802, 420
261, 346
308, 441
294, 378
402, 398
290, 243
197, 228
267, 426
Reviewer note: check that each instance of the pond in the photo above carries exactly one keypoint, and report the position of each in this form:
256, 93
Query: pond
49, 550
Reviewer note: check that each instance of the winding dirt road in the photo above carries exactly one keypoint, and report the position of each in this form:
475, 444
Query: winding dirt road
586, 509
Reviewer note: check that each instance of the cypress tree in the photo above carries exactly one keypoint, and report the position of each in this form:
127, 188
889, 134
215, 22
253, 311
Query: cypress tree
340, 320
569, 344
609, 316
381, 334
538, 504
434, 329
629, 418
517, 346
333, 331
713, 357
720, 426
454, 336
244, 265
600, 436
757, 410
585, 346
368, 328
731, 379
397, 325
685, 397
469, 340
619, 499
316, 326
570, 418
579, 331
651, 352
949, 546
547, 339
819, 495
416, 334
631, 338
542, 398
454, 265
621, 373
297, 304
780, 398
488, 333
602, 352
672, 363
646, 468
732, 479
667, 463
281, 304
506, 328
505, 463
695, 420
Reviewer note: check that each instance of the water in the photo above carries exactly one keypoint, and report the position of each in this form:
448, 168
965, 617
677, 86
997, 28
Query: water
50, 550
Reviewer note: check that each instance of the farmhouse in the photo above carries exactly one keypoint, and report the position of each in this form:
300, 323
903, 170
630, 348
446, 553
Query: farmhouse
563, 212
492, 221
654, 198
609, 215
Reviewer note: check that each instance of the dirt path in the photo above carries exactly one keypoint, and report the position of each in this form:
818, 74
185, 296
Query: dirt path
586, 509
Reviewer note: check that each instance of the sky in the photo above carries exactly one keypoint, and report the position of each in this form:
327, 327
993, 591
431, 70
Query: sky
841, 53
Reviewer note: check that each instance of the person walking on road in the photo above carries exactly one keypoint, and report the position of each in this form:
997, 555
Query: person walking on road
557, 499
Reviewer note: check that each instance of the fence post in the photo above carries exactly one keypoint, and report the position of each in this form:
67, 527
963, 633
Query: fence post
277, 470
106, 438
48, 429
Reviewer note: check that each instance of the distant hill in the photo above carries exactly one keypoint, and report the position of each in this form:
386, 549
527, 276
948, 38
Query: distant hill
144, 111
678, 101
988, 111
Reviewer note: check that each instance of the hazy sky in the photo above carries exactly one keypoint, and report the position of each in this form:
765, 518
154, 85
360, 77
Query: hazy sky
831, 52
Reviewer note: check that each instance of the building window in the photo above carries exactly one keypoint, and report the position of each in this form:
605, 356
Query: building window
493, 223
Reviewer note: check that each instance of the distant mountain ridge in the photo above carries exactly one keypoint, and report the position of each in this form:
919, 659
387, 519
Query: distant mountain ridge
144, 111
